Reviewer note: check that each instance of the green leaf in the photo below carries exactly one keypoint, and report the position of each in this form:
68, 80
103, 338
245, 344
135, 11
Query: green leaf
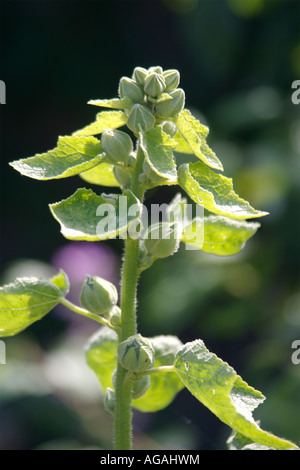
71, 156
219, 235
101, 355
83, 217
104, 120
114, 103
27, 300
182, 145
237, 441
214, 192
194, 133
164, 386
102, 174
215, 384
158, 150
62, 282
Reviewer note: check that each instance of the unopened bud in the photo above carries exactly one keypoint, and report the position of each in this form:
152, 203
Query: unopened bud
140, 119
140, 386
98, 295
139, 75
115, 316
116, 144
154, 84
136, 354
156, 69
161, 240
123, 176
172, 79
110, 400
169, 128
128, 88
172, 106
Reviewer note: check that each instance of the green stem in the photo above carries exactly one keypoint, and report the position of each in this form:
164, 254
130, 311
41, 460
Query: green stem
130, 275
85, 313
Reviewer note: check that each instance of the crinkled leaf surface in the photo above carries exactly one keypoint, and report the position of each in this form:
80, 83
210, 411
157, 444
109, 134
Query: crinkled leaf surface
27, 300
215, 384
114, 103
104, 120
164, 386
194, 134
71, 156
219, 235
101, 356
214, 191
87, 216
158, 150
102, 175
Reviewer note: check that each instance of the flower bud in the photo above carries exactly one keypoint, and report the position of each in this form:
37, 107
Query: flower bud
172, 106
116, 144
169, 128
140, 386
172, 79
123, 176
161, 240
156, 69
140, 119
139, 75
128, 88
98, 295
115, 316
154, 84
136, 354
109, 400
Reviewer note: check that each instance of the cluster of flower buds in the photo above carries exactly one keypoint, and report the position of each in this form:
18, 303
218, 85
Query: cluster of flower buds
100, 297
154, 94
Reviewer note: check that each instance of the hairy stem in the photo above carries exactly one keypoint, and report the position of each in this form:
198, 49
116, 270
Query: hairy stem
130, 274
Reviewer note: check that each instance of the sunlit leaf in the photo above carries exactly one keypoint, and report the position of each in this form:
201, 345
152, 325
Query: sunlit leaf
104, 120
114, 103
87, 216
158, 150
27, 300
194, 134
71, 156
219, 235
102, 174
217, 386
214, 192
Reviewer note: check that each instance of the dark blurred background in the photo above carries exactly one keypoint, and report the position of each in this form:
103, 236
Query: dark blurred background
238, 59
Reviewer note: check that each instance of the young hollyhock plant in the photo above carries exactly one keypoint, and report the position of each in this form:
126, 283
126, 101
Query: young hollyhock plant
134, 371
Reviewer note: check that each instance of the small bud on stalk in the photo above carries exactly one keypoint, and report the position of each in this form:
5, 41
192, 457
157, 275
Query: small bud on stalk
98, 295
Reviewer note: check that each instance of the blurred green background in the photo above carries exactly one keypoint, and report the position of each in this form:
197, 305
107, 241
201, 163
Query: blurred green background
238, 59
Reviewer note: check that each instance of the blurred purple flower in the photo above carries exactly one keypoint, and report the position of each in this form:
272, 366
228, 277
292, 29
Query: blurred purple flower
79, 259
